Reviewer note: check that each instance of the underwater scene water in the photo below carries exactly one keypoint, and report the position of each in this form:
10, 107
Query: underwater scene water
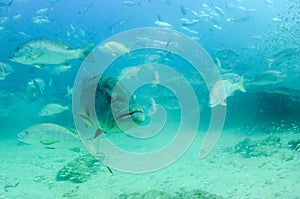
149, 99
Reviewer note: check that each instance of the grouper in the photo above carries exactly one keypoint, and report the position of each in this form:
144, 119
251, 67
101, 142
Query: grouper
112, 106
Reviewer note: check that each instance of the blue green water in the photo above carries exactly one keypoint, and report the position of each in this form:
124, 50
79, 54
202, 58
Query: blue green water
253, 40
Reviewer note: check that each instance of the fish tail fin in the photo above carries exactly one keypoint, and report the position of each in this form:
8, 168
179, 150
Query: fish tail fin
86, 54
139, 3
69, 107
218, 63
270, 62
69, 91
241, 85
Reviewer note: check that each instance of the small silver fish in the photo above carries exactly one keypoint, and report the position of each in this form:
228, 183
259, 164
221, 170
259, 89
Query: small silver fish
52, 109
114, 48
35, 87
40, 20
162, 24
42, 11
223, 89
57, 70
191, 22
131, 3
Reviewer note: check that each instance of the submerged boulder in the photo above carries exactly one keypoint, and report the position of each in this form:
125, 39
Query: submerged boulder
197, 193
79, 170
147, 195
194, 194
249, 148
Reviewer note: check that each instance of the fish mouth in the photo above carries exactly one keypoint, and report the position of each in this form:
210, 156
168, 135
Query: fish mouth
136, 115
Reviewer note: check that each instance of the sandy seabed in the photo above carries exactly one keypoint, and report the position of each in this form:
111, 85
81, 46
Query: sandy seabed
30, 172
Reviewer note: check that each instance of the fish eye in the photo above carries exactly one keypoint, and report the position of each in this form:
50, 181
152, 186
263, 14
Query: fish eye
26, 132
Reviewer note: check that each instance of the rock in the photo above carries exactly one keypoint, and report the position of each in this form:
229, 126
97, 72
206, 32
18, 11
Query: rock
266, 147
147, 195
134, 195
194, 194
79, 170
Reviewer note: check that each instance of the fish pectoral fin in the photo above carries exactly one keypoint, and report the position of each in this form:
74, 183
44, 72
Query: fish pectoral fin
223, 103
241, 85
69, 107
109, 170
89, 58
48, 142
39, 66
34, 56
97, 133
68, 64
72, 130
270, 62
46, 147
75, 149
86, 119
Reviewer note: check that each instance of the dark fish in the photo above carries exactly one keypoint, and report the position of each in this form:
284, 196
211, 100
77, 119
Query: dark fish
109, 170
183, 10
111, 106
159, 18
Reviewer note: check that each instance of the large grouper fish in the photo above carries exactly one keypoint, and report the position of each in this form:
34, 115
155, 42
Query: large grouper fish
112, 106
39, 52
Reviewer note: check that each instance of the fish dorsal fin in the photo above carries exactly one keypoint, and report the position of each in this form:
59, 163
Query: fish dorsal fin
35, 56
